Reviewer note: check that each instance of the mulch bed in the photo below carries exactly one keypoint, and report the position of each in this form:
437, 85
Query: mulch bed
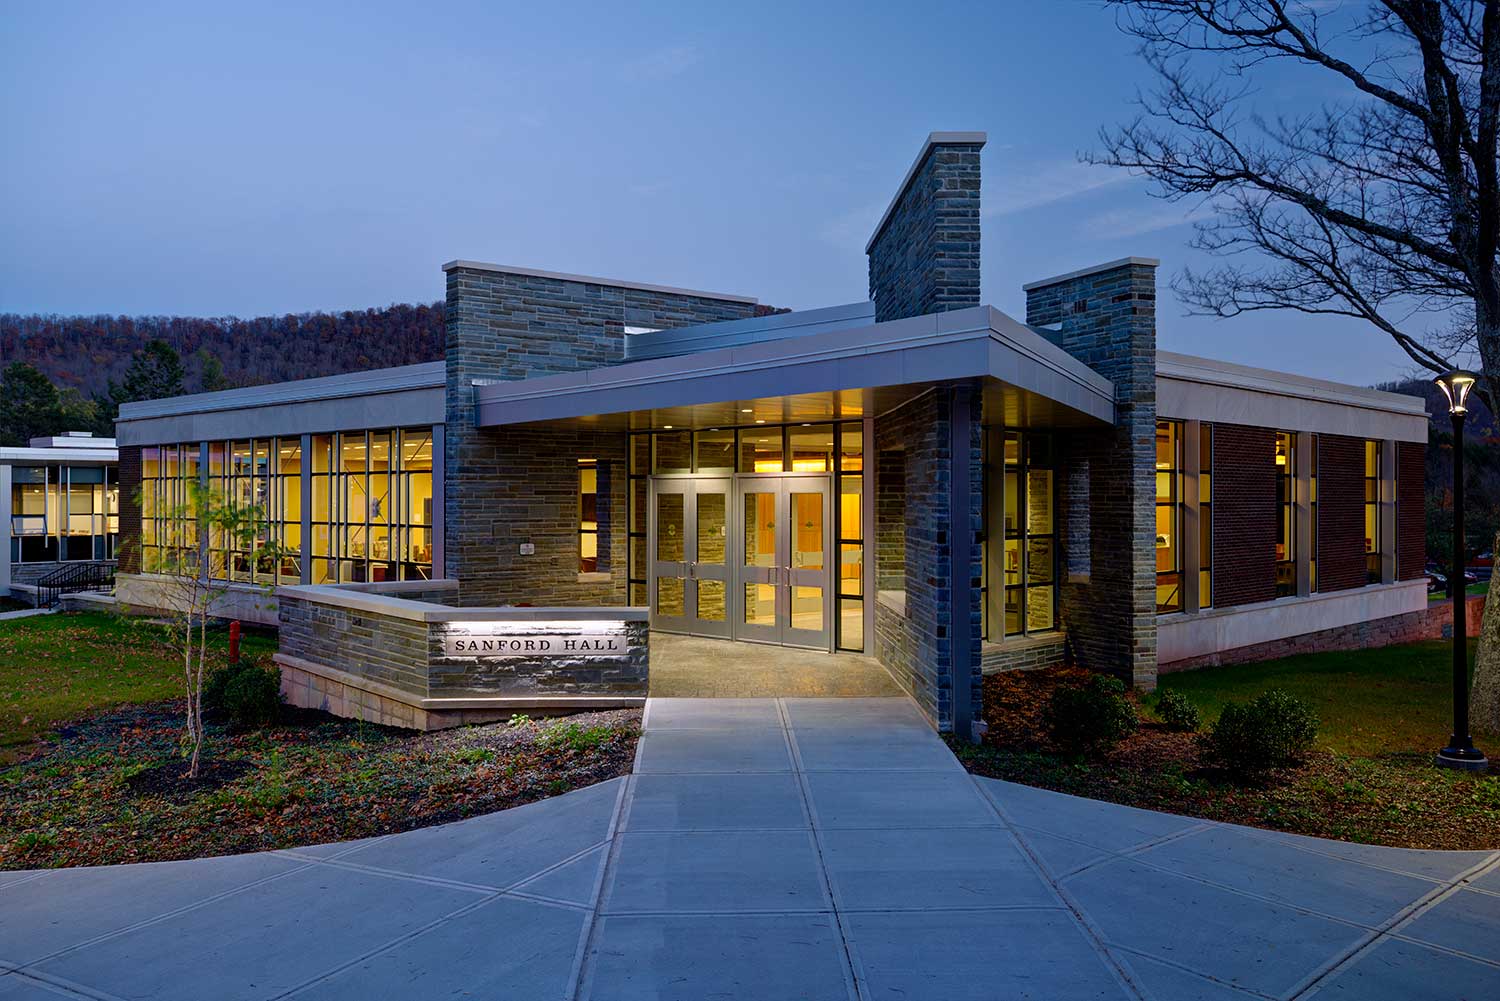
1396, 799
112, 787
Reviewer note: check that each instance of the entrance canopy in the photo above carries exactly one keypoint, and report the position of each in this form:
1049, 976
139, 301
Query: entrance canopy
859, 371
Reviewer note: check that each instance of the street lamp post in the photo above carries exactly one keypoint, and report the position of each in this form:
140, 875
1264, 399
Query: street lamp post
1460, 752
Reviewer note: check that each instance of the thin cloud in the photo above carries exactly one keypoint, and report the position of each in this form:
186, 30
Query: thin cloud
663, 63
1141, 219
1012, 188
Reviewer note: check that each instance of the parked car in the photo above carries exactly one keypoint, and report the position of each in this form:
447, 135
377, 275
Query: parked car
1437, 580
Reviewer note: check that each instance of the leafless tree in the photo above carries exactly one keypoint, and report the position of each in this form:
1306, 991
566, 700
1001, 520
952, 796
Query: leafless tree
1382, 205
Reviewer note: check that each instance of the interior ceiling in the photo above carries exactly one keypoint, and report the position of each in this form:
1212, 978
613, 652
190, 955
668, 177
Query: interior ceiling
1003, 404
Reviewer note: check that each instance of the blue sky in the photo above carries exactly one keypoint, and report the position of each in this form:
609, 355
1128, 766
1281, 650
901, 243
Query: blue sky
263, 158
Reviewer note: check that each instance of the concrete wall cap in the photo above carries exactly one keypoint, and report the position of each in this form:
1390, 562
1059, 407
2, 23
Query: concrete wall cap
508, 269
1145, 262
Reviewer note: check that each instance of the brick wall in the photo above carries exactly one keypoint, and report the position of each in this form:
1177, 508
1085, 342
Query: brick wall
129, 549
1341, 512
916, 647
1411, 510
1107, 319
1244, 508
1430, 623
505, 486
925, 259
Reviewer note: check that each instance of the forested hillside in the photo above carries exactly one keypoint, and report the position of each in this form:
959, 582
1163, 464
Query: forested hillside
87, 352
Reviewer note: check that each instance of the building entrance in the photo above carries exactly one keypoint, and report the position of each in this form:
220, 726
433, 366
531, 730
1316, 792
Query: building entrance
742, 557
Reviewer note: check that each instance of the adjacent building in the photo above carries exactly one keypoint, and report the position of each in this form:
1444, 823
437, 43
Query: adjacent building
59, 508
918, 477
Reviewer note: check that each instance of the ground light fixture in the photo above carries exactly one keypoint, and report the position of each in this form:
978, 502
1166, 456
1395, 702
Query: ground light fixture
1460, 752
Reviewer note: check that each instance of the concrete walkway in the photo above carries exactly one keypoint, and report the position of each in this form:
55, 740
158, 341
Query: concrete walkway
776, 849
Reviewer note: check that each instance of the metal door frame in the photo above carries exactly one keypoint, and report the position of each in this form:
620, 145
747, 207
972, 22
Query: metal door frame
735, 575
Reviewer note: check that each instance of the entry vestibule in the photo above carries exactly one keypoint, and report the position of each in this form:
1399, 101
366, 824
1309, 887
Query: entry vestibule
745, 557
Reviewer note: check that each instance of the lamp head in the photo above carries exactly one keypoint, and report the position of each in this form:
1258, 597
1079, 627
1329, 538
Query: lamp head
1456, 386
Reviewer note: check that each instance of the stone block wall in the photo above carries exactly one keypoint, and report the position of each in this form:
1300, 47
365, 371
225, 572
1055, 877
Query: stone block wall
1341, 513
1106, 318
925, 257
890, 520
1411, 510
386, 649
1431, 623
505, 486
1048, 650
1244, 515
917, 646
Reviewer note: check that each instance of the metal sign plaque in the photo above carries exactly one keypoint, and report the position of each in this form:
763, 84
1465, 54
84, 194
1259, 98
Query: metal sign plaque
510, 639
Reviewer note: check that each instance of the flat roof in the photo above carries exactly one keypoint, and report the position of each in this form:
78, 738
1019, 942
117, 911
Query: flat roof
1149, 262
863, 369
508, 269
933, 139
72, 455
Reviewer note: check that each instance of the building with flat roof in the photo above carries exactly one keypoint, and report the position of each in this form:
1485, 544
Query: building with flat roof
59, 508
919, 478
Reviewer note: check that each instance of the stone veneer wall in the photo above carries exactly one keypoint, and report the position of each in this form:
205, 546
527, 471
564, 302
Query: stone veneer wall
506, 486
915, 646
1411, 510
925, 258
1430, 623
1016, 654
1107, 319
1244, 515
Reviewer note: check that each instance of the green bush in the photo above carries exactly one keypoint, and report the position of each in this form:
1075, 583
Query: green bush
1174, 710
573, 737
1273, 730
1091, 718
247, 694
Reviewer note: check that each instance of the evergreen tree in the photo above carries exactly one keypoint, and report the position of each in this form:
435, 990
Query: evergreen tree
211, 372
29, 405
155, 373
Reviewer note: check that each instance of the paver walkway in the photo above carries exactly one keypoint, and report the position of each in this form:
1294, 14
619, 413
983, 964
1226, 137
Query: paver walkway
776, 849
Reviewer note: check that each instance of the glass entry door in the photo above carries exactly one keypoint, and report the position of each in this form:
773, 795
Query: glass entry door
689, 536
782, 563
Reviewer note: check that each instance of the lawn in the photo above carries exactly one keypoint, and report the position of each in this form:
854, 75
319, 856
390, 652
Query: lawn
57, 667
1369, 779
93, 728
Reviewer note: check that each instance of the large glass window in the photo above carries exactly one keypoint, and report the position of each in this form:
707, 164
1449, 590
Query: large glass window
370, 496
64, 513
1372, 512
1312, 505
1286, 514
1169, 567
851, 533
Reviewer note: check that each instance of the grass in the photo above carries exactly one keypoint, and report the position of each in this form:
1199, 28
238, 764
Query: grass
1477, 588
54, 668
1370, 778
1370, 702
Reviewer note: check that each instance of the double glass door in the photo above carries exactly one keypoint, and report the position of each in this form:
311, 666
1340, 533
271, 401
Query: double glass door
744, 557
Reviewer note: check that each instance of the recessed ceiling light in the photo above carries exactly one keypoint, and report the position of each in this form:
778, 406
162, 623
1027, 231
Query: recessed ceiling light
667, 426
761, 421
748, 410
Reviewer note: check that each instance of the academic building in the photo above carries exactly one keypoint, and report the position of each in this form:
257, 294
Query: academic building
59, 513
920, 480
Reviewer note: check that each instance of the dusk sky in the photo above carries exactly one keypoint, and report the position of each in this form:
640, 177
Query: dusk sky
172, 158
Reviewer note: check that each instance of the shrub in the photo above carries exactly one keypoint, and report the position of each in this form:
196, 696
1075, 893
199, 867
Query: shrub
246, 694
573, 737
1273, 730
1177, 712
1091, 718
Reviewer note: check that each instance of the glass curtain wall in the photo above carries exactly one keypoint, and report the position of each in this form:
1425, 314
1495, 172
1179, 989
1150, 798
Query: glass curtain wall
1372, 512
1286, 514
371, 505
64, 513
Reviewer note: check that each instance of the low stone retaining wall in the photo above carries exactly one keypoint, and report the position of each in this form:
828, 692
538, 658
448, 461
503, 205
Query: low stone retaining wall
1025, 653
403, 658
1430, 623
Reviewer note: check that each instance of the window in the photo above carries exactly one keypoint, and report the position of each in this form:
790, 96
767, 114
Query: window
1286, 514
1030, 556
851, 532
1205, 515
370, 499
1372, 512
1168, 516
64, 513
588, 515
